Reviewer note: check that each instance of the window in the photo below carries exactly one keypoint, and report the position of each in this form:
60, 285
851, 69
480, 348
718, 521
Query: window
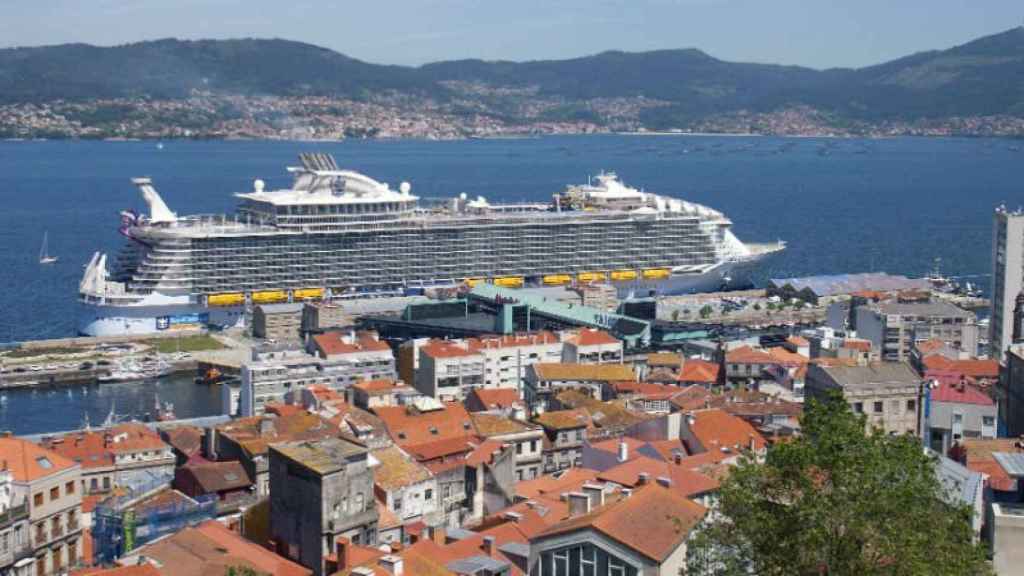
106, 483
911, 405
37, 499
533, 445
94, 485
988, 421
398, 504
447, 491
519, 448
879, 407
69, 488
858, 407
5, 543
428, 495
54, 493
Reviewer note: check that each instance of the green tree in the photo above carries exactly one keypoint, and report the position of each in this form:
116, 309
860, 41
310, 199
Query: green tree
837, 501
757, 306
706, 311
241, 571
675, 315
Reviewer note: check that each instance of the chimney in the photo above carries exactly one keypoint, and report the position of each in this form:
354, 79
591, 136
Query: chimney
626, 493
514, 517
266, 426
488, 545
596, 494
753, 444
392, 564
677, 456
623, 451
579, 504
643, 478
342, 552
437, 534
666, 482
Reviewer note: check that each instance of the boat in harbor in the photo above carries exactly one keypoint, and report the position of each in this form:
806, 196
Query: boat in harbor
337, 233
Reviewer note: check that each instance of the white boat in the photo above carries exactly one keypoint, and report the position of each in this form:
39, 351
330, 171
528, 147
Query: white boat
44, 256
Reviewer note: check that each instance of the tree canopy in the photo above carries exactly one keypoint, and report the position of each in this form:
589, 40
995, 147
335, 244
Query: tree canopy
837, 501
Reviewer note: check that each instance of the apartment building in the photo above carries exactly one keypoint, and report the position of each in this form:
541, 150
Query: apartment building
888, 393
893, 327
50, 485
448, 370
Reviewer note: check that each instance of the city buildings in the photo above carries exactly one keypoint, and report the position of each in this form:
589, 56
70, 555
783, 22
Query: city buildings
591, 346
405, 487
278, 322
889, 393
320, 491
642, 533
50, 485
544, 381
449, 369
124, 455
526, 438
566, 432
1007, 276
893, 327
1010, 391
957, 410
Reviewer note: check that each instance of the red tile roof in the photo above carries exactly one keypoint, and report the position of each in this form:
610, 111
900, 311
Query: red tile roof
334, 343
215, 477
408, 426
136, 570
446, 349
960, 393
798, 341
653, 521
695, 370
929, 347
549, 484
973, 368
748, 355
856, 344
716, 429
683, 480
374, 387
647, 390
564, 419
592, 337
492, 398
446, 448
210, 548
29, 462
97, 449
512, 340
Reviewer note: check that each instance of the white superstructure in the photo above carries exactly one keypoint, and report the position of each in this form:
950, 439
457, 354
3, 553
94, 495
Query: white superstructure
337, 233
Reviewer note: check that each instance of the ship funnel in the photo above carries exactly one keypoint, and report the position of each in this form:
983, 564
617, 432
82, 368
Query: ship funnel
158, 210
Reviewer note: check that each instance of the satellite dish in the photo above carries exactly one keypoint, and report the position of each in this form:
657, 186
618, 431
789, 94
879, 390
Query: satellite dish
404, 188
258, 185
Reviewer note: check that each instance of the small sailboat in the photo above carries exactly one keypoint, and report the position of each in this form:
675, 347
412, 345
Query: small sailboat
44, 256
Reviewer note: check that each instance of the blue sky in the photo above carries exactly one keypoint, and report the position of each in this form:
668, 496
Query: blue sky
816, 33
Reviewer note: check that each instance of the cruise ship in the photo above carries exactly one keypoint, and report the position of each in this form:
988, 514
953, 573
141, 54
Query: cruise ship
340, 234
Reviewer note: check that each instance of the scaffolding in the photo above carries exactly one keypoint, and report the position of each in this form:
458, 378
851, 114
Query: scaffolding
117, 532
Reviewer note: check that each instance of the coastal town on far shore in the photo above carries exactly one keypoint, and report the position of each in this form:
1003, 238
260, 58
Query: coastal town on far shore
481, 112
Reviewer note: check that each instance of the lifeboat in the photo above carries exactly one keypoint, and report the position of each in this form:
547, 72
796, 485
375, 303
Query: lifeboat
624, 275
557, 279
591, 276
509, 281
308, 294
229, 299
657, 273
269, 296
472, 281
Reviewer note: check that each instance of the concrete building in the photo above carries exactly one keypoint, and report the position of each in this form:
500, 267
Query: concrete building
319, 492
591, 346
643, 533
278, 322
247, 440
449, 369
370, 394
50, 485
1010, 391
1007, 276
956, 410
317, 316
276, 372
1007, 534
889, 393
566, 432
122, 456
406, 487
527, 440
15, 544
544, 381
893, 327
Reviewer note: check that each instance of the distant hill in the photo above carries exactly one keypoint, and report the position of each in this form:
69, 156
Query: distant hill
983, 77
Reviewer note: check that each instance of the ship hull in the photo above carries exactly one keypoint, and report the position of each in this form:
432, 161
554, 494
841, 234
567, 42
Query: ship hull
160, 318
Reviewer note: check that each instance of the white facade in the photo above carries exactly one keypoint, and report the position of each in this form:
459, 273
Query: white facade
1007, 276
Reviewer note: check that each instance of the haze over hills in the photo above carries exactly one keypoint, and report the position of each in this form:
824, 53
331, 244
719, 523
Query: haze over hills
686, 89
